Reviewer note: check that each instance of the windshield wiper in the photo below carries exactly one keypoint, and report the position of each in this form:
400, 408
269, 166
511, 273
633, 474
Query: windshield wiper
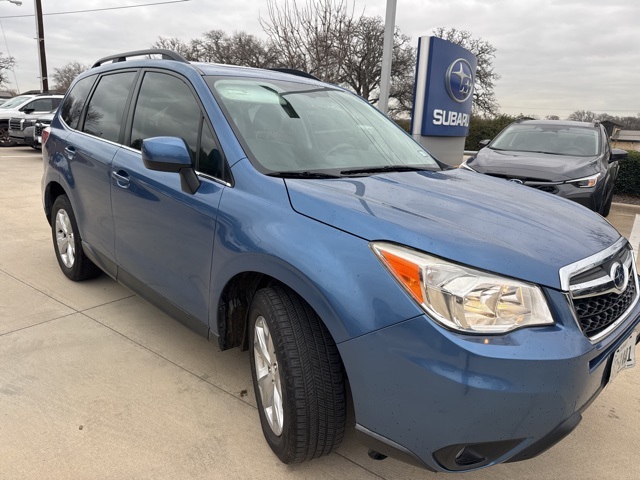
386, 168
302, 175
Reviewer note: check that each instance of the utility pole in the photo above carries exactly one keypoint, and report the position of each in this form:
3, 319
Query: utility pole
387, 53
44, 81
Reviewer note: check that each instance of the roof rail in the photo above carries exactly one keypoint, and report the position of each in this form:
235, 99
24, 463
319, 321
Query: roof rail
293, 71
122, 57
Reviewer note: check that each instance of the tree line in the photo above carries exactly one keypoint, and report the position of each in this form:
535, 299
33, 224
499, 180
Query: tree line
329, 40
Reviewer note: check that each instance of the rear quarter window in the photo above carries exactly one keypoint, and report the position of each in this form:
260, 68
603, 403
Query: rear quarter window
74, 102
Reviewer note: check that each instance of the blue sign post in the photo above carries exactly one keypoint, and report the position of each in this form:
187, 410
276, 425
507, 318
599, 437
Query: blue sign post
443, 97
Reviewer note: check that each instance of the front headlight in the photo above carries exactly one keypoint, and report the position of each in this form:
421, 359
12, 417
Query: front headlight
463, 298
586, 181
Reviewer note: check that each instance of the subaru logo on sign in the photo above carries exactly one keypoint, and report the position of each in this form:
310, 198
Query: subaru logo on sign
460, 80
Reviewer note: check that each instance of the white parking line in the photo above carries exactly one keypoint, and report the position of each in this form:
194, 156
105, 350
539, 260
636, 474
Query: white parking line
634, 238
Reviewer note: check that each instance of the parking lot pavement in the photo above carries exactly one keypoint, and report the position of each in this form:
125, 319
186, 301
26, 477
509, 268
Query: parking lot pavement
96, 383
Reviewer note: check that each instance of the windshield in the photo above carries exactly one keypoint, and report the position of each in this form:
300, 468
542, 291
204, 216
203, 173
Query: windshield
291, 127
552, 139
15, 101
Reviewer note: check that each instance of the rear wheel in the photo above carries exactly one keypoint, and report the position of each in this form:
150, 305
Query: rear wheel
67, 243
297, 376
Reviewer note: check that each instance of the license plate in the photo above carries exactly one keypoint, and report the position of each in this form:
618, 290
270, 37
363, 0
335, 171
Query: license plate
625, 356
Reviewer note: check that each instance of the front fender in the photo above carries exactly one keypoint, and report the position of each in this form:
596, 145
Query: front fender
334, 271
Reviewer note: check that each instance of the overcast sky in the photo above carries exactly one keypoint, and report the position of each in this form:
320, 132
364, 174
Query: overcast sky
554, 56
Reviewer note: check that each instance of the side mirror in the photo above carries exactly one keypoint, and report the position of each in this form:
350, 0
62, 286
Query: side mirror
170, 154
28, 110
484, 143
617, 155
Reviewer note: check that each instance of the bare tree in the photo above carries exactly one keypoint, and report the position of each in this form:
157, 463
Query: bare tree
552, 117
215, 46
63, 76
313, 37
326, 39
582, 116
176, 45
240, 48
362, 66
6, 63
484, 100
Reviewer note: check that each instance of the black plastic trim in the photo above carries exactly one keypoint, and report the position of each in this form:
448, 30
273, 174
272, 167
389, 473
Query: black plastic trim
293, 71
144, 291
388, 448
548, 441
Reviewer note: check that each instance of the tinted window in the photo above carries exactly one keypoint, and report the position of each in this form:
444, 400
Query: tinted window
74, 102
166, 107
106, 107
40, 105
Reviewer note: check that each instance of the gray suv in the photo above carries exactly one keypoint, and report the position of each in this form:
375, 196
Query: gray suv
19, 108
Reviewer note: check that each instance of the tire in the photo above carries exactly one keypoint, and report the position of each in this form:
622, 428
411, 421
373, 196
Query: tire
67, 243
606, 208
295, 362
5, 139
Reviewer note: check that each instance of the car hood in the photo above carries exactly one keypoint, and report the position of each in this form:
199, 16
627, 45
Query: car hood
533, 166
472, 219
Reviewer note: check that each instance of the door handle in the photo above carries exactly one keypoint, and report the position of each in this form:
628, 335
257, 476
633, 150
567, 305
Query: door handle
69, 152
122, 178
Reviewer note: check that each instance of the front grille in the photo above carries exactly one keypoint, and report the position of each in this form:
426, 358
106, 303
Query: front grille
595, 314
41, 125
15, 124
597, 302
546, 188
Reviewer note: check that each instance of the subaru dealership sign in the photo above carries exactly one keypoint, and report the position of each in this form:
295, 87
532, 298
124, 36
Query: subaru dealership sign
443, 90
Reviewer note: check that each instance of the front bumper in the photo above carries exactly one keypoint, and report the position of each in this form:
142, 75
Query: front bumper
452, 402
589, 197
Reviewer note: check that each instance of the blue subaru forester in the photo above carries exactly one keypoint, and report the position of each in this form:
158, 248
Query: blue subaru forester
470, 319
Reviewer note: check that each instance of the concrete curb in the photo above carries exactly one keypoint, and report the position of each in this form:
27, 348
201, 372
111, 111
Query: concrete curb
626, 207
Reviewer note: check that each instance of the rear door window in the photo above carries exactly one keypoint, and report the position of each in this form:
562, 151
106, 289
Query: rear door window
106, 108
75, 100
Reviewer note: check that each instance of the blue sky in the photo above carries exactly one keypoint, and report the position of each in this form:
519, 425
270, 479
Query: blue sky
554, 56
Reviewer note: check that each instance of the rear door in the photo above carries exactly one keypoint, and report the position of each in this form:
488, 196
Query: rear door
95, 129
164, 236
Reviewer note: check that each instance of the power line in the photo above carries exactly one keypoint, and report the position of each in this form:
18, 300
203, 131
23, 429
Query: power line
9, 55
100, 9
565, 109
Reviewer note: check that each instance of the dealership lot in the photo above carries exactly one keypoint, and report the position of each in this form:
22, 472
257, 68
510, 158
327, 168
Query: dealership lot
97, 383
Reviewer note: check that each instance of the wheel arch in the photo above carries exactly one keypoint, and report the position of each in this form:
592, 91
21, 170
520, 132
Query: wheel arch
52, 191
234, 301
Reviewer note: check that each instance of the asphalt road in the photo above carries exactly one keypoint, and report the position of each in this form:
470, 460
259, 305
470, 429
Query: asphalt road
95, 383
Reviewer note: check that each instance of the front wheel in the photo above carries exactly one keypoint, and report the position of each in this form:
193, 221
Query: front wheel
606, 208
297, 377
67, 243
5, 139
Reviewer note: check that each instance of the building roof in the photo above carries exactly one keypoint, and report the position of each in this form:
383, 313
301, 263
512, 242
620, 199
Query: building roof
626, 136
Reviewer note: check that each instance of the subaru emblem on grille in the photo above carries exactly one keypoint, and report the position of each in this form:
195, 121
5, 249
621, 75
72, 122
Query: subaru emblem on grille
516, 180
620, 276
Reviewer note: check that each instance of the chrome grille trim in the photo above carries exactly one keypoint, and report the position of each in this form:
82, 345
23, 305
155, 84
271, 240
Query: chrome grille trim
601, 290
588, 263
